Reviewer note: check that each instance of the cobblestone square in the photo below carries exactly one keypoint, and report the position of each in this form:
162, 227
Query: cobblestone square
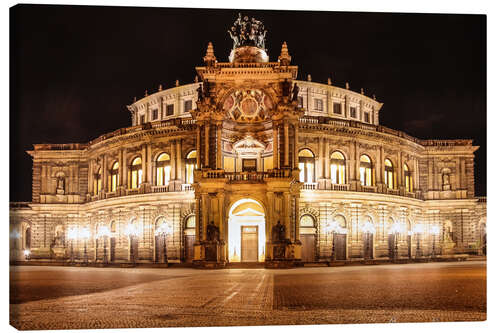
85, 298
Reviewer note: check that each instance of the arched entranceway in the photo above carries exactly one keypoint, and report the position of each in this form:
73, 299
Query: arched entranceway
246, 231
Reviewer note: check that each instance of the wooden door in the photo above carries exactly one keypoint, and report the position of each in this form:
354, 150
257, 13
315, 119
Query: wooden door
189, 248
368, 245
112, 249
159, 255
392, 245
308, 244
340, 245
249, 244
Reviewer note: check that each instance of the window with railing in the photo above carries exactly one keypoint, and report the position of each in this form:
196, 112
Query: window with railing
113, 177
408, 178
306, 166
98, 181
337, 108
366, 171
136, 173
337, 168
389, 176
170, 110
318, 104
188, 105
190, 166
162, 169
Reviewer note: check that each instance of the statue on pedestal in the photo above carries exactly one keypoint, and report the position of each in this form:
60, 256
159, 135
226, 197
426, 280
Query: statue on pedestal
212, 232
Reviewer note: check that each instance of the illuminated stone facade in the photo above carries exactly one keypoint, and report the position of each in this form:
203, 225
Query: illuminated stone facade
244, 149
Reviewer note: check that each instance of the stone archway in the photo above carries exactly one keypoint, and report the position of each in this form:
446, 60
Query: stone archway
246, 231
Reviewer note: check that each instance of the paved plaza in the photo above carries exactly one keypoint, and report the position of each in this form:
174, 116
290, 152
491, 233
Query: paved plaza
78, 297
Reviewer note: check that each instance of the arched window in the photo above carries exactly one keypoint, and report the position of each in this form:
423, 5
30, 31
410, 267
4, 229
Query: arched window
113, 177
366, 171
337, 168
113, 226
408, 179
98, 181
341, 221
306, 166
190, 166
136, 173
306, 221
191, 222
389, 174
162, 169
27, 238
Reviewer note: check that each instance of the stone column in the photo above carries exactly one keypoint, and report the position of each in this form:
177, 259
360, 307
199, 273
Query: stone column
296, 145
287, 145
207, 144
286, 214
90, 177
416, 175
218, 163
275, 146
173, 161
143, 165
198, 143
319, 160
297, 218
381, 166
124, 167
104, 173
149, 155
120, 167
327, 159
178, 160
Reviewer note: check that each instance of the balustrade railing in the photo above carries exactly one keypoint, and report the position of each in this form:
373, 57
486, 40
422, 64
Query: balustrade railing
159, 189
340, 187
309, 186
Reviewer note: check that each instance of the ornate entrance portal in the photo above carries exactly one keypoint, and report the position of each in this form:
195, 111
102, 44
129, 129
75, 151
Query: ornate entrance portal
246, 231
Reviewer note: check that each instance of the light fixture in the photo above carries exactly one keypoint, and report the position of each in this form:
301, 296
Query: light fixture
368, 227
434, 230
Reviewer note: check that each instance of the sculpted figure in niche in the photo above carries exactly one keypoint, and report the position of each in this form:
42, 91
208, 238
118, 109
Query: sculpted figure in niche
60, 185
278, 232
295, 92
446, 180
212, 232
58, 237
200, 92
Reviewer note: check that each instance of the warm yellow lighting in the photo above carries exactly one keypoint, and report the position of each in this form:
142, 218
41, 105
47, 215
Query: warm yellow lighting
103, 231
72, 233
435, 230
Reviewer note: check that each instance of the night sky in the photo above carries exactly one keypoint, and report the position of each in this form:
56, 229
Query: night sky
75, 68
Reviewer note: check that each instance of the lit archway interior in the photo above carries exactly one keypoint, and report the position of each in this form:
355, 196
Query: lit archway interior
246, 213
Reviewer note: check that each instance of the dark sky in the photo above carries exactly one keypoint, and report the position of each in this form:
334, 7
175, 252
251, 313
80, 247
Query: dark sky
75, 68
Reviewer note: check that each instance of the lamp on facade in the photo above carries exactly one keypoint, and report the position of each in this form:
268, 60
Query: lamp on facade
163, 230
131, 231
72, 235
395, 230
434, 232
103, 232
418, 229
85, 234
27, 254
368, 230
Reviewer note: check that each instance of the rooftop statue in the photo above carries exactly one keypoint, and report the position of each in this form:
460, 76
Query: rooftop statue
247, 32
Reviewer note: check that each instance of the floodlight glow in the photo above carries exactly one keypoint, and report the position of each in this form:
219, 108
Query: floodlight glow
131, 230
27, 253
396, 228
368, 227
15, 234
85, 233
164, 229
103, 231
72, 233
435, 230
418, 229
